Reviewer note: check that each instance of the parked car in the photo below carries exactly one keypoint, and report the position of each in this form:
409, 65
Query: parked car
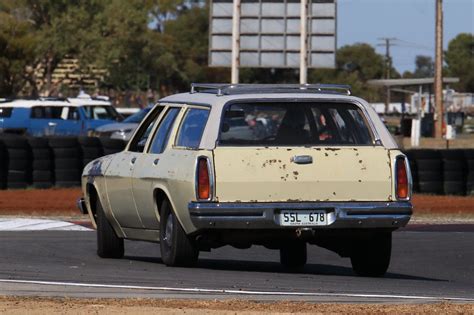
122, 130
324, 170
73, 116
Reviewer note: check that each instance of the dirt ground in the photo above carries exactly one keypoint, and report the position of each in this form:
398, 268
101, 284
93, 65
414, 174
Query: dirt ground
13, 305
62, 202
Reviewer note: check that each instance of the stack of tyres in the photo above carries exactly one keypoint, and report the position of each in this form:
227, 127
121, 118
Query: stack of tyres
3, 164
111, 146
413, 169
429, 171
469, 156
67, 161
91, 149
454, 171
18, 161
42, 163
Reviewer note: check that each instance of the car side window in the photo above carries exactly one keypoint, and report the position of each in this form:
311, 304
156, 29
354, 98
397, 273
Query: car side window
192, 127
137, 143
162, 135
37, 112
73, 114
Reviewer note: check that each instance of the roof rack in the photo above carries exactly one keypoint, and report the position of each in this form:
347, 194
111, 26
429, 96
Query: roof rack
52, 98
230, 89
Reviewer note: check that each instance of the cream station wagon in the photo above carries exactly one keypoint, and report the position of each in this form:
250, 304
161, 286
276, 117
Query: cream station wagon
281, 166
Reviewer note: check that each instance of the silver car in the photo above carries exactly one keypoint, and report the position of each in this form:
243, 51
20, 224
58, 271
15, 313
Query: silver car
122, 130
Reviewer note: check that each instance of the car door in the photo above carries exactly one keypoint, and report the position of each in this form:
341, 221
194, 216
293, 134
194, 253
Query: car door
149, 167
69, 123
119, 175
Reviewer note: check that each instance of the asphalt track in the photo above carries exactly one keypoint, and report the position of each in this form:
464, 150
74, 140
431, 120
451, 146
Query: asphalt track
426, 266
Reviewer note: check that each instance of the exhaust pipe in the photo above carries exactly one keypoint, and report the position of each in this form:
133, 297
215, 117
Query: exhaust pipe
304, 233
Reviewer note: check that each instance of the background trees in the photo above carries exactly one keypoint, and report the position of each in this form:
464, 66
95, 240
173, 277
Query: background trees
459, 59
162, 45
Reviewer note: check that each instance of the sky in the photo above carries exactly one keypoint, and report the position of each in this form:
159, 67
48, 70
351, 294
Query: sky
412, 22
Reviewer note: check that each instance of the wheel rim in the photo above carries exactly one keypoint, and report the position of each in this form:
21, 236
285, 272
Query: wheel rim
169, 230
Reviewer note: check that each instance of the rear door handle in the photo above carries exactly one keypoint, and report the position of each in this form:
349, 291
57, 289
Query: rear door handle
155, 162
302, 159
133, 160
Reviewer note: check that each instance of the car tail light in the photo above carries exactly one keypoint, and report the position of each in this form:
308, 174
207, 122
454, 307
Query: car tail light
402, 178
203, 180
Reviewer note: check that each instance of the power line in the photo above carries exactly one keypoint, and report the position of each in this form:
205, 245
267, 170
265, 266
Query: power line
387, 42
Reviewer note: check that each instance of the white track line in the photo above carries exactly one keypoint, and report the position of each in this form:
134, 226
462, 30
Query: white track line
241, 292
20, 224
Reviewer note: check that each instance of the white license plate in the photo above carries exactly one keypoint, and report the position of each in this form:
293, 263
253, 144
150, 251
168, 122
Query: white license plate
304, 217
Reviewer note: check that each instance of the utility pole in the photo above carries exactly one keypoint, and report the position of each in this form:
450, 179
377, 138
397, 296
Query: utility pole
304, 42
387, 42
438, 80
235, 43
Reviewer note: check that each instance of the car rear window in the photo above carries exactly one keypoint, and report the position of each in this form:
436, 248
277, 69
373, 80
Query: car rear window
101, 112
6, 112
273, 124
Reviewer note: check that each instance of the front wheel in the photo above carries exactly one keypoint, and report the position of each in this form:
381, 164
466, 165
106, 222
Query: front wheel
108, 244
177, 248
371, 257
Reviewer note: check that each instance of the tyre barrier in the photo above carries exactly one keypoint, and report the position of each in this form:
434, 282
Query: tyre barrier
18, 161
42, 175
111, 146
49, 161
91, 149
469, 156
429, 171
58, 161
449, 172
67, 161
3, 166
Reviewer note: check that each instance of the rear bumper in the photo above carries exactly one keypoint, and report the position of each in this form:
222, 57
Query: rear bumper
209, 215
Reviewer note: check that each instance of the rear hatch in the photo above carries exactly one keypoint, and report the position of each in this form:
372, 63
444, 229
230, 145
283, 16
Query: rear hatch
300, 152
271, 174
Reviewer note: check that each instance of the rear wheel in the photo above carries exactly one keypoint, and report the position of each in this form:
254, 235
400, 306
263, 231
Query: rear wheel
177, 248
108, 244
371, 257
293, 255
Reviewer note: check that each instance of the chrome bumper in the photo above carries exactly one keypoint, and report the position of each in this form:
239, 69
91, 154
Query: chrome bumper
81, 204
208, 215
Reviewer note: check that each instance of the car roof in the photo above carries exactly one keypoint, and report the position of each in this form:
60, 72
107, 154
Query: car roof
87, 101
30, 103
73, 102
217, 101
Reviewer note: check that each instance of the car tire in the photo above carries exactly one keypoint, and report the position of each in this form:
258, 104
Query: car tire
371, 257
177, 248
108, 244
293, 255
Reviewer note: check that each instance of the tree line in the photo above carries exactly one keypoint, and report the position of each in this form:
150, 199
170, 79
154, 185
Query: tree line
162, 45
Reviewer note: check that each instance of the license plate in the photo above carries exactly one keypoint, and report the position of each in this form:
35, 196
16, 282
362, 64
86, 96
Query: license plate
304, 218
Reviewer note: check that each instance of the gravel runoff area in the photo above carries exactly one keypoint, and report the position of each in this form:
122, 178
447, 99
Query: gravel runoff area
62, 203
12, 305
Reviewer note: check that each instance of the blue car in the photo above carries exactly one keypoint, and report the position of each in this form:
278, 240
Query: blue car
74, 116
